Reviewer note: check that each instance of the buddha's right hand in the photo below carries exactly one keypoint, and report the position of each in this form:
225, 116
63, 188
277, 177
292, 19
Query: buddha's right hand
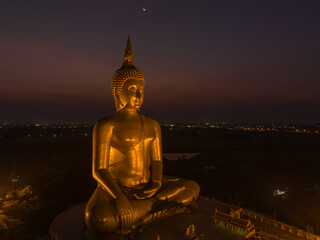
125, 213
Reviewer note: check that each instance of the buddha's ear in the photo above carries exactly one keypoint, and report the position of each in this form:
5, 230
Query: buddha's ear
119, 104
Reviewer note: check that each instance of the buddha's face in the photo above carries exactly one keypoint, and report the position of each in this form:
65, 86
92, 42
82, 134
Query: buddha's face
130, 95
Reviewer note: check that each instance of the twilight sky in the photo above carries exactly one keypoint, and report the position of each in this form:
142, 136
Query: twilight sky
226, 60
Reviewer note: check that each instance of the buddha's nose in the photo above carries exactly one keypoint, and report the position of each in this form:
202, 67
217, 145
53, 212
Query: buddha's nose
138, 94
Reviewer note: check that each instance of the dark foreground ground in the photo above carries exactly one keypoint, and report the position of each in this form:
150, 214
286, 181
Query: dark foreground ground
239, 167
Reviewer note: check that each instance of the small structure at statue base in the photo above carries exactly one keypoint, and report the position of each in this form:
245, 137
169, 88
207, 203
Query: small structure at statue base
233, 221
190, 231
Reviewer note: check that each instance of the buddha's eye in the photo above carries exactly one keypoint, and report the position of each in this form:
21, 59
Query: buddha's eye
132, 88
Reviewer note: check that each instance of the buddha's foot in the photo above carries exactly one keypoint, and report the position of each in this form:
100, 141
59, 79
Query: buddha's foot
160, 215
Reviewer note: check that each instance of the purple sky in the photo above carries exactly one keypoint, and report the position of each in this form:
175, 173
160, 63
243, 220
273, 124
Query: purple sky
202, 60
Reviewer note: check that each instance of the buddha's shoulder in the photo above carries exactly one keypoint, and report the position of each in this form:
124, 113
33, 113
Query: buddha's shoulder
150, 121
105, 122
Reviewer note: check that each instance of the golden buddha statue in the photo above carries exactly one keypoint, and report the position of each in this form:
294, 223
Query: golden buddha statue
127, 161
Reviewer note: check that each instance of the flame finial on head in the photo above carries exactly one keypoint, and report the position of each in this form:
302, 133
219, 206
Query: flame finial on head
127, 71
128, 53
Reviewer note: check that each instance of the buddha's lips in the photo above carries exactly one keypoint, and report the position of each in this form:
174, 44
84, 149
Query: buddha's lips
137, 102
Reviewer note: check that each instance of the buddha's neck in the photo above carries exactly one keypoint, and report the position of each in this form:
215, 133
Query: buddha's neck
128, 112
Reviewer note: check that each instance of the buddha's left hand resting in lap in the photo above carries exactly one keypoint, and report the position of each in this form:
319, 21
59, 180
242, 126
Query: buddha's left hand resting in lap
127, 161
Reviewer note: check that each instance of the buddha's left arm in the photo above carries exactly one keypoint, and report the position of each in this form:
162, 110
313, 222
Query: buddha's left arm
156, 155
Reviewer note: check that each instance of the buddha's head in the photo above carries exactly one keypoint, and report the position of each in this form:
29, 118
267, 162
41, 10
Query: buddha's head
128, 83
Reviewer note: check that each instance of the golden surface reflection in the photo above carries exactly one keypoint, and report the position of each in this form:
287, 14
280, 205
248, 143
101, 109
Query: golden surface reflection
127, 161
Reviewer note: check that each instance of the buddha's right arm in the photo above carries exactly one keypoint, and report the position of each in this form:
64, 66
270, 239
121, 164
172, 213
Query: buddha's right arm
102, 134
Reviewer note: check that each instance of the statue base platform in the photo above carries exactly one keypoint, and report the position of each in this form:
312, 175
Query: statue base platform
196, 224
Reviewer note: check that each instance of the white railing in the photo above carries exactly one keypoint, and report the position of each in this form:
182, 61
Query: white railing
269, 221
280, 225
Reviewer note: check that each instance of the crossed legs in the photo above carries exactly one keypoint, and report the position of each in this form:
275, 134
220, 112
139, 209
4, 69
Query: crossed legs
101, 215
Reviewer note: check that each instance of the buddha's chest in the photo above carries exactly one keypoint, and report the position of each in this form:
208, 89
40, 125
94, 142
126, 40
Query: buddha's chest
127, 132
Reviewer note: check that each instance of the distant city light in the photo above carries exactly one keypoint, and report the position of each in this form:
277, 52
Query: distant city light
278, 192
